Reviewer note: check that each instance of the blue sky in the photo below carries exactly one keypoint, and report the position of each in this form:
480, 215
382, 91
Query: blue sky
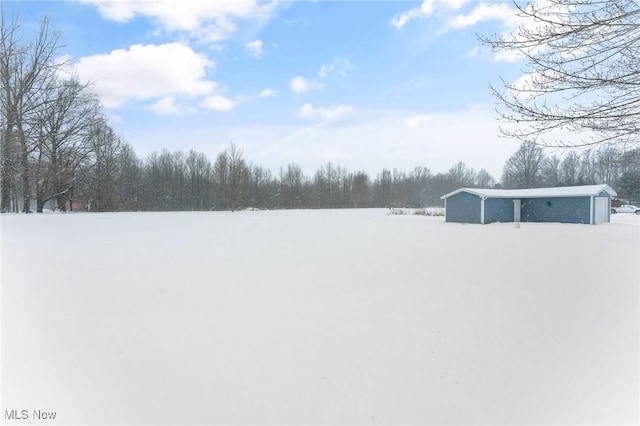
363, 84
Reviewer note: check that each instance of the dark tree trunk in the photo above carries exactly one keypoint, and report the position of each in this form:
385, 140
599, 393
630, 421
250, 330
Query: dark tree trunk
5, 204
5, 181
26, 189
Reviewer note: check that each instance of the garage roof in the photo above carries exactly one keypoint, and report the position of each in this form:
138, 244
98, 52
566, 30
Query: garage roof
561, 191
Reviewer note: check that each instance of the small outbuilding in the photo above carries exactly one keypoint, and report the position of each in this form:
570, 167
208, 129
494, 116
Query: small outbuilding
569, 204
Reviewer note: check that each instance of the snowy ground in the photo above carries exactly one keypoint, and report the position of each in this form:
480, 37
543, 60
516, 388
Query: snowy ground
318, 317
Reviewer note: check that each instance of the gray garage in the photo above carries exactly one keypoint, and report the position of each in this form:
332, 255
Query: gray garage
569, 204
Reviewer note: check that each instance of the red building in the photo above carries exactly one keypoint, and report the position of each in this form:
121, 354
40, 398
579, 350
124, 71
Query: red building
73, 206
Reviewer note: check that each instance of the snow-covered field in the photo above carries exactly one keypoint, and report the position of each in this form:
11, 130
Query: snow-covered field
318, 317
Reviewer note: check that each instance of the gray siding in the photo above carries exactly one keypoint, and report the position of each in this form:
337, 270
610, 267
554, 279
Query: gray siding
558, 209
498, 210
463, 208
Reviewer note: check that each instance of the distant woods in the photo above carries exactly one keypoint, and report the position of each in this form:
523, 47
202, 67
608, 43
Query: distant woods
58, 152
530, 167
189, 181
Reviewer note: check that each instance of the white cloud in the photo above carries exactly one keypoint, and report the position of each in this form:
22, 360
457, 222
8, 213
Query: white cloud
451, 18
145, 72
340, 66
327, 113
474, 52
484, 12
300, 85
218, 48
255, 48
218, 103
206, 20
325, 70
415, 121
168, 106
454, 20
268, 92
215, 32
426, 9
508, 55
401, 20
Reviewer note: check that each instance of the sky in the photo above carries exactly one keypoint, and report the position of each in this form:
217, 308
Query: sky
365, 85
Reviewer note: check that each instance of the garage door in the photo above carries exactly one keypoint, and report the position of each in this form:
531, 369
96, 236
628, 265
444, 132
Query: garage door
602, 210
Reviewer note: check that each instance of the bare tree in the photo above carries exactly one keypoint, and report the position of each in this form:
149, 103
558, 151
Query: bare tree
628, 184
232, 176
484, 179
321, 188
106, 149
582, 73
67, 123
155, 177
607, 164
399, 189
462, 175
25, 69
130, 179
524, 168
263, 188
8, 147
290, 192
551, 171
329, 187
570, 169
419, 189
382, 189
360, 189
199, 175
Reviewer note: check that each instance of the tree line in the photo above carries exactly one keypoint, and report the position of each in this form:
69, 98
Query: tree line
58, 152
171, 181
530, 167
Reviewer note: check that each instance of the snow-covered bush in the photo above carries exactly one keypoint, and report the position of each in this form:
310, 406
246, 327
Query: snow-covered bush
427, 211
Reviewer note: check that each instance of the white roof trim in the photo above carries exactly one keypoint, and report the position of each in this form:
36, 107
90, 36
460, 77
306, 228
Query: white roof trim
561, 191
